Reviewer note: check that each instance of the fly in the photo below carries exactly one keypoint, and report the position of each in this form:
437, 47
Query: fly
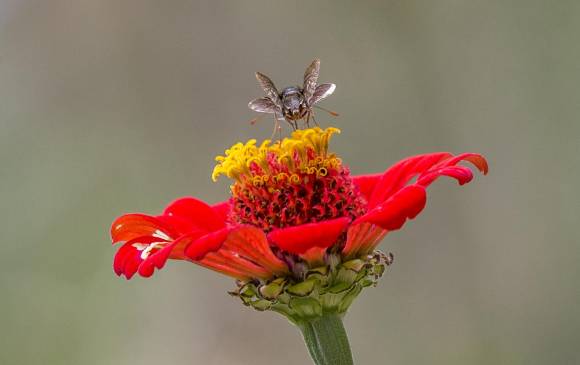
294, 103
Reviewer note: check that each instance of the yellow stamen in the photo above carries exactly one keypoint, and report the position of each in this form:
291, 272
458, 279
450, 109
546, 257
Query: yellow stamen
240, 159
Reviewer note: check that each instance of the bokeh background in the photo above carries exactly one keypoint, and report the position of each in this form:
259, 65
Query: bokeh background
108, 107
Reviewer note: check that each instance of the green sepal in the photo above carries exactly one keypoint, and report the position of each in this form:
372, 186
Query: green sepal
273, 289
349, 298
305, 307
303, 288
354, 265
261, 305
324, 289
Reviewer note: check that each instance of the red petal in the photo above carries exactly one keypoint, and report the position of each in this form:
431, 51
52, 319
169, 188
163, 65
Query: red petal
146, 269
128, 253
401, 173
251, 243
155, 260
179, 225
197, 212
174, 250
178, 252
209, 243
242, 252
447, 168
218, 263
392, 203
314, 256
123, 253
131, 266
366, 184
462, 174
361, 239
476, 159
131, 226
230, 263
393, 213
222, 209
299, 239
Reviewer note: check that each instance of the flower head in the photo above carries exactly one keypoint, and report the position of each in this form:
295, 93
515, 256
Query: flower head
286, 184
298, 232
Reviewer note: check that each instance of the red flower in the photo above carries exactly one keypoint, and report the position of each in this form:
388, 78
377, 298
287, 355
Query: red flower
293, 205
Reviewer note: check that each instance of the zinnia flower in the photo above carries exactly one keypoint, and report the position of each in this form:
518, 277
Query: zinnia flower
299, 233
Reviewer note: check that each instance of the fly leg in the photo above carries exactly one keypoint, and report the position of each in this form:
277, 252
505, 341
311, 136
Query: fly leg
292, 123
277, 128
314, 120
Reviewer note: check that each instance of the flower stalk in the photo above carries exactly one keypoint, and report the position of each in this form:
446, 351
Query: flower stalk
326, 340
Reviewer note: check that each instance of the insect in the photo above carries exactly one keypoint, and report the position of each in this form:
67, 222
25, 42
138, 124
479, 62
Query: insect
294, 103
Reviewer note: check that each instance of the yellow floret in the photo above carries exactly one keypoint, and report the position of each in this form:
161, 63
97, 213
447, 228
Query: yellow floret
237, 160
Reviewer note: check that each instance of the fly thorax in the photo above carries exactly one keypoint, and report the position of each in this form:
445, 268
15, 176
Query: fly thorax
292, 99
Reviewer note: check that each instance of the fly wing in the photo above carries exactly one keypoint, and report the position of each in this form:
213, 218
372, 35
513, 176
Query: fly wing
263, 105
310, 79
321, 92
269, 89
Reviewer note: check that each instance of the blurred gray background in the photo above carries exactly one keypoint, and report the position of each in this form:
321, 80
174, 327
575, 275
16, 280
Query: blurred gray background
108, 107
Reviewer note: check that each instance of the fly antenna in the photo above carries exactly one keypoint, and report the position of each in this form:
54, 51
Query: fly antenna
334, 114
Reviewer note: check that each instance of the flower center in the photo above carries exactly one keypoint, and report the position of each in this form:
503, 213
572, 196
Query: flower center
291, 182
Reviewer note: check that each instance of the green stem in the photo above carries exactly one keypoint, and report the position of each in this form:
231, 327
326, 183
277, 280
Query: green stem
326, 340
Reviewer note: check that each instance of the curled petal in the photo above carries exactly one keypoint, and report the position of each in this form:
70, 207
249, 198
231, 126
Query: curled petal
476, 159
401, 173
121, 257
174, 250
128, 256
131, 266
197, 212
299, 239
448, 167
131, 226
462, 174
428, 167
392, 214
392, 203
155, 261
151, 241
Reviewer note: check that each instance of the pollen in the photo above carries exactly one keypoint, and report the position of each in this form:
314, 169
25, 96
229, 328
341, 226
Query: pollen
294, 181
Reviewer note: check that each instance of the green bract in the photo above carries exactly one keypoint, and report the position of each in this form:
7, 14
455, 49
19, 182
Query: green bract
325, 289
